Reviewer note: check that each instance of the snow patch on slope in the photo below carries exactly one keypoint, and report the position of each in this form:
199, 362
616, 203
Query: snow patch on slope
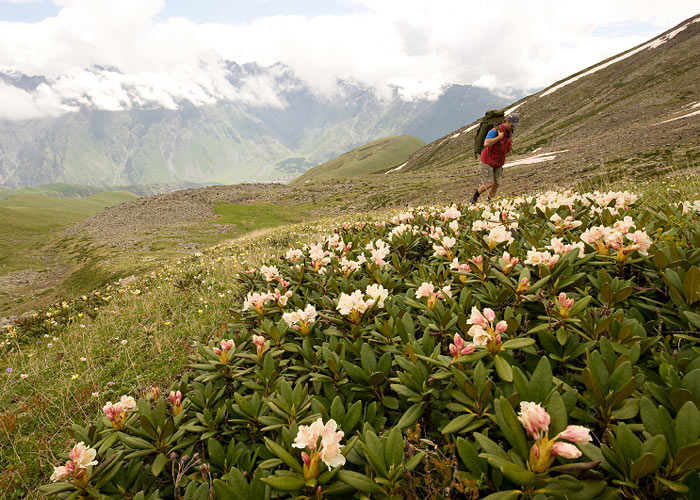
542, 157
650, 45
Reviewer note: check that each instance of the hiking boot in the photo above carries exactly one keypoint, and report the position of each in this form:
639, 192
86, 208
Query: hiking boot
474, 197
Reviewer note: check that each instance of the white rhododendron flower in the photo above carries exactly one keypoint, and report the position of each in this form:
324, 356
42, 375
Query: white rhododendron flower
497, 235
377, 293
327, 450
378, 251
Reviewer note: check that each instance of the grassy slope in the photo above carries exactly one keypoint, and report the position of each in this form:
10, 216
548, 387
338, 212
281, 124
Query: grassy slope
375, 156
30, 220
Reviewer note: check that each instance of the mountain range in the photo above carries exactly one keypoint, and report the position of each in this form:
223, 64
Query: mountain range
227, 142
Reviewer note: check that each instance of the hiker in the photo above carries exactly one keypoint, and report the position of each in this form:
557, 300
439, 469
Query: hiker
497, 144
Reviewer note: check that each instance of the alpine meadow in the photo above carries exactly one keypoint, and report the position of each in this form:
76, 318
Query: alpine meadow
343, 323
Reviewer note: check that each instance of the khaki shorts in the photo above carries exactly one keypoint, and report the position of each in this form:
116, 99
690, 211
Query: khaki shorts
489, 175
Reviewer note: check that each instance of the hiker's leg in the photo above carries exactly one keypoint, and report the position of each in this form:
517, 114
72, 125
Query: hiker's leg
497, 175
485, 181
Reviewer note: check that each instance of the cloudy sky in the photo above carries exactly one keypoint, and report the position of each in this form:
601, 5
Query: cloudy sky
167, 50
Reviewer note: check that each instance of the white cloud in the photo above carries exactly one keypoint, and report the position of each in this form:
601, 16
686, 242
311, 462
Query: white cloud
416, 45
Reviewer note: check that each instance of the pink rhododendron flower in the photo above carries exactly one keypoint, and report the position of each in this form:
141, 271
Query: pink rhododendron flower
535, 419
576, 434
378, 250
175, 398
281, 298
259, 342
301, 319
477, 318
640, 241
82, 456
62, 471
459, 347
271, 273
116, 412
566, 450
257, 301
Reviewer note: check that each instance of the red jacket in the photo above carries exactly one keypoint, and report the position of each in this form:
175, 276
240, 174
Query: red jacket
495, 155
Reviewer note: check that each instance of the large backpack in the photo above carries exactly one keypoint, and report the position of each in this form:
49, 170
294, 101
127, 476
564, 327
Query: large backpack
491, 119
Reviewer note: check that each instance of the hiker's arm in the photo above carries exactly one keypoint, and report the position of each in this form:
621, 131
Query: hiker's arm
491, 142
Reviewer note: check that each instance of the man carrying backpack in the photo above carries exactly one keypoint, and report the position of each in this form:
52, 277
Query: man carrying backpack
497, 144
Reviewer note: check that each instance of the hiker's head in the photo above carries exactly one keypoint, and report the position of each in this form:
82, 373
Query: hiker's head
512, 121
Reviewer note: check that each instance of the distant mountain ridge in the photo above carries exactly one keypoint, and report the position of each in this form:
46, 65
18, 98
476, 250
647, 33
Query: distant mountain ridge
224, 143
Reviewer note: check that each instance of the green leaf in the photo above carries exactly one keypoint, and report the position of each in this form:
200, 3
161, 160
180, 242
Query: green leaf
688, 458
135, 443
158, 464
510, 427
393, 451
284, 483
359, 482
646, 464
541, 381
53, 489
557, 412
411, 416
687, 424
414, 461
693, 318
224, 490
580, 305
457, 424
284, 455
518, 343
673, 486
518, 475
470, 457
503, 368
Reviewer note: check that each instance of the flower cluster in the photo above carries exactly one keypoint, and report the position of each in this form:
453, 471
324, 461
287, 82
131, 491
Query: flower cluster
79, 459
261, 345
355, 304
175, 398
459, 347
223, 353
327, 450
429, 291
378, 251
497, 235
535, 258
483, 331
605, 238
116, 412
301, 319
536, 420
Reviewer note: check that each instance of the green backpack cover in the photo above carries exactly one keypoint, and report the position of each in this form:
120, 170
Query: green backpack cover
491, 119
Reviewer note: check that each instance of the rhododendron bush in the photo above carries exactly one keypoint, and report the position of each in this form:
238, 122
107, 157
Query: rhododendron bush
537, 348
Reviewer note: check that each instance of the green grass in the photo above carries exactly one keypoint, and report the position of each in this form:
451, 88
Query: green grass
254, 216
373, 157
31, 220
